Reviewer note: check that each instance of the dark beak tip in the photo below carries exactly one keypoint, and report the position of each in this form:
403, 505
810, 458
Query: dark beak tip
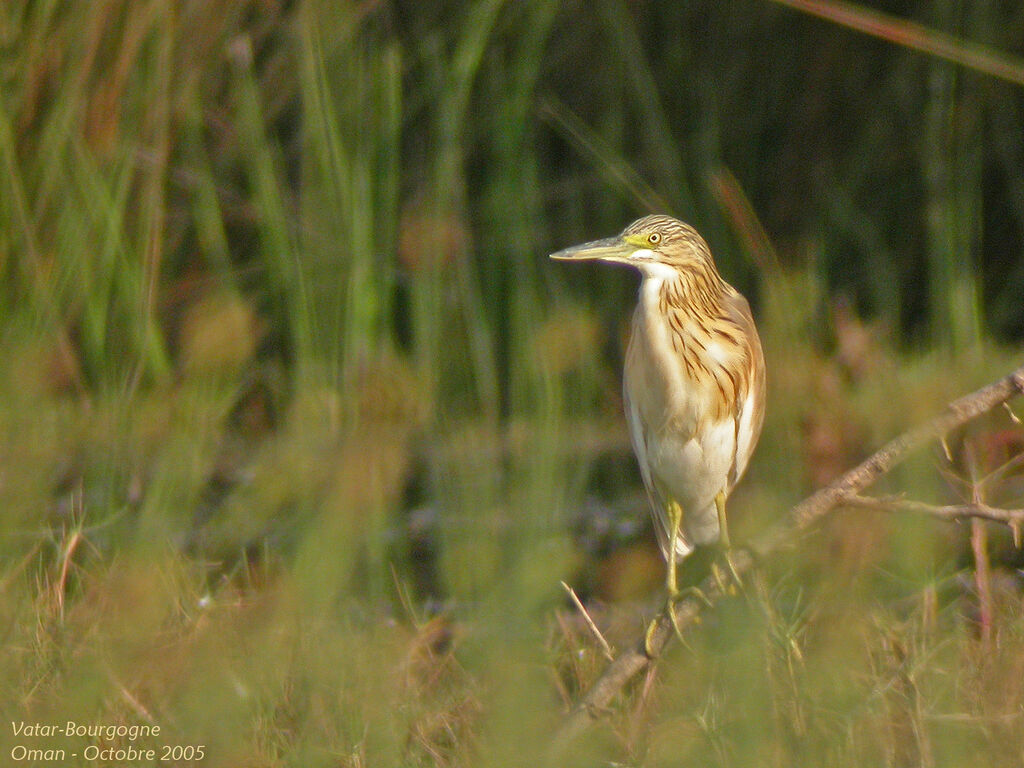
566, 254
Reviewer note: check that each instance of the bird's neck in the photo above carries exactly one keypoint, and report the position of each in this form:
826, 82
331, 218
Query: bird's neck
678, 335
692, 293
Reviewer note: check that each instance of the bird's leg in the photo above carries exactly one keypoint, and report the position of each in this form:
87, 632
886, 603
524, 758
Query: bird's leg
675, 520
723, 539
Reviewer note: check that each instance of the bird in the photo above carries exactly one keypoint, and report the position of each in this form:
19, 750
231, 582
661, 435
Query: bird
693, 383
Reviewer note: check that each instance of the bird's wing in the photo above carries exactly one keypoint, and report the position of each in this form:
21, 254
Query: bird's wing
749, 415
638, 437
638, 431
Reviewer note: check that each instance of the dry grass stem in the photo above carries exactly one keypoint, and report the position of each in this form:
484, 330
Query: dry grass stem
914, 36
609, 654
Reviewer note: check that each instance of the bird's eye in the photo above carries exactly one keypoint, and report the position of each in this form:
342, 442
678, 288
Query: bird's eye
654, 238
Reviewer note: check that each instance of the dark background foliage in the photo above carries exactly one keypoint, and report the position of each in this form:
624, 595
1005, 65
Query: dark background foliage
300, 428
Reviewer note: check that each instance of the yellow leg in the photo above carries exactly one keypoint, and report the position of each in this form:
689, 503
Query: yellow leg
675, 520
723, 538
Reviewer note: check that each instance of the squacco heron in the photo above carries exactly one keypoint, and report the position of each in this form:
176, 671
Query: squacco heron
694, 382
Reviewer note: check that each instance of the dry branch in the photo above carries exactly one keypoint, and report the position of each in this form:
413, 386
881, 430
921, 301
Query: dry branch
1011, 517
845, 490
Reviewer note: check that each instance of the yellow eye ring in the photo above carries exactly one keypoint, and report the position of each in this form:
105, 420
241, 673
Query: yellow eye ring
654, 238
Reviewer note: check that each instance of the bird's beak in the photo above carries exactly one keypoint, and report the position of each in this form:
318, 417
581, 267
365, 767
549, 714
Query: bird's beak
609, 249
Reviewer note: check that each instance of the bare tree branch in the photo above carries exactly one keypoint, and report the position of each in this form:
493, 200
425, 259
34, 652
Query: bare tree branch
844, 490
952, 512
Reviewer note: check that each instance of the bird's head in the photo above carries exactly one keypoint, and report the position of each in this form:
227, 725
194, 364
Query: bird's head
656, 245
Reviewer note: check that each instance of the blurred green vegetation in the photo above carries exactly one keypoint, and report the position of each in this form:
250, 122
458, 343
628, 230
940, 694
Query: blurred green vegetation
300, 429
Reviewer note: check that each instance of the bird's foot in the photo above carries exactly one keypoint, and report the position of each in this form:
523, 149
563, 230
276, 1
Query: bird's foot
675, 597
728, 583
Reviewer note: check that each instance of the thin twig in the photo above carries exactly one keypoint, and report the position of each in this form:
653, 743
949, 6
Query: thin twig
951, 512
635, 659
979, 548
1013, 416
1000, 472
609, 654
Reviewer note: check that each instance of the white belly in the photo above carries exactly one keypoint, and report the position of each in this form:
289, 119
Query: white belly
693, 472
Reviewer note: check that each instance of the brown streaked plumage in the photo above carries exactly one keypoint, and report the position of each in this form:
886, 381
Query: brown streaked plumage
694, 380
